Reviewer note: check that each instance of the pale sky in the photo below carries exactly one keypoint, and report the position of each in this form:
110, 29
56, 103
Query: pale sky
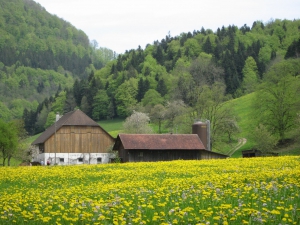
125, 24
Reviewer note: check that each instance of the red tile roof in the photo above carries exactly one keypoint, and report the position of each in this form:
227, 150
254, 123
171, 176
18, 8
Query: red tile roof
161, 141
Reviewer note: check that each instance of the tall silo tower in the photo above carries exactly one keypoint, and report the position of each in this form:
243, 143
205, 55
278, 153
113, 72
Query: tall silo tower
202, 129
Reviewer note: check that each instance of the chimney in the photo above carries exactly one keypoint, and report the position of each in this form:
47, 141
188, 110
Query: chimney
57, 117
202, 129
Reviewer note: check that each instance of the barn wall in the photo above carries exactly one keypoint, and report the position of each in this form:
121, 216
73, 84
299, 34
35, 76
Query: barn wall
73, 158
79, 139
162, 155
123, 153
211, 155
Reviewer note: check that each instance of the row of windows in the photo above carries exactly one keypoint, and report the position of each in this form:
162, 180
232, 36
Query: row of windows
99, 160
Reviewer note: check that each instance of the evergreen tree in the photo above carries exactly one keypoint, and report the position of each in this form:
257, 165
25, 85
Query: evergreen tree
207, 47
134, 61
85, 106
161, 88
203, 31
293, 50
91, 76
218, 51
77, 92
119, 66
146, 85
70, 103
158, 55
231, 76
140, 91
245, 29
29, 121
183, 39
239, 60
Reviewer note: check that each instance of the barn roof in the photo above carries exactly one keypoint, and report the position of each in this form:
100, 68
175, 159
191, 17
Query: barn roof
73, 118
160, 142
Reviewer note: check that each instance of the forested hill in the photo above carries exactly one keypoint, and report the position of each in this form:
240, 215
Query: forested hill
175, 67
198, 70
40, 54
34, 38
228, 47
49, 66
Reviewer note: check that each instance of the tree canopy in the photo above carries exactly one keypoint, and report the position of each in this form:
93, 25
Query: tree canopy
277, 100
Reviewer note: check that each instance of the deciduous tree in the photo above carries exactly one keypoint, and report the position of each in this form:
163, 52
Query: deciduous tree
173, 110
277, 100
152, 98
212, 105
8, 139
250, 73
100, 105
157, 115
125, 96
21, 151
263, 139
137, 123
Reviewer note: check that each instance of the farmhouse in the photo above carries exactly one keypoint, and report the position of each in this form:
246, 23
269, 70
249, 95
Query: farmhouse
164, 147
74, 139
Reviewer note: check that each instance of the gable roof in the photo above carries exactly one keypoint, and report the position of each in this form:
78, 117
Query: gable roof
160, 142
73, 118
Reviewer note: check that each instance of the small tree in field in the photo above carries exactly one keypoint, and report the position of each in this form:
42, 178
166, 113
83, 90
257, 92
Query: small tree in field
137, 123
8, 140
157, 115
264, 140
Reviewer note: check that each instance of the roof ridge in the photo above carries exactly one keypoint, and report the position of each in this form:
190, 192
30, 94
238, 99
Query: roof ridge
68, 117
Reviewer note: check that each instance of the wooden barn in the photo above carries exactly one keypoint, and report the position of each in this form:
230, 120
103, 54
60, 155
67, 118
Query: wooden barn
256, 153
162, 147
74, 139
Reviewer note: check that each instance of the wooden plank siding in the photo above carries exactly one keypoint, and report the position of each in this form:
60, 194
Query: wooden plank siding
162, 155
211, 155
79, 139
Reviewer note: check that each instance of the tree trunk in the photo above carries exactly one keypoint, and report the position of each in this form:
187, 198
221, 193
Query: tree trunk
3, 155
8, 160
159, 126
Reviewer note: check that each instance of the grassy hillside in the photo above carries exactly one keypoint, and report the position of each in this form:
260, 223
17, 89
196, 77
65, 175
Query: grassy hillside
243, 108
113, 127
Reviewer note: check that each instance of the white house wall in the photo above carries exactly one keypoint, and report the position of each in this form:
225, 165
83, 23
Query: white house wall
73, 158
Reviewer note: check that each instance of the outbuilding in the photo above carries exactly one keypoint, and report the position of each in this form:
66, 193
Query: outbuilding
162, 147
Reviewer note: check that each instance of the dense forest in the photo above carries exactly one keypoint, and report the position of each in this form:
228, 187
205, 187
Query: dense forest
48, 66
40, 54
231, 61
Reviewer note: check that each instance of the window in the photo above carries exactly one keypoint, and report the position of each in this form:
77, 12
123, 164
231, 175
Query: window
99, 160
41, 148
80, 159
61, 159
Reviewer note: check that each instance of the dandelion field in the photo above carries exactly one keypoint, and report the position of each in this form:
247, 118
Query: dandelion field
228, 191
